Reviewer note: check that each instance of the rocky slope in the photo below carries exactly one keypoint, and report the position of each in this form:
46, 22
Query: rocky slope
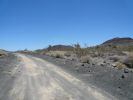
119, 41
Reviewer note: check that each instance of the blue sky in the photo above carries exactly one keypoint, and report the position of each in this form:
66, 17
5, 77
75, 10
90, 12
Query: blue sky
35, 24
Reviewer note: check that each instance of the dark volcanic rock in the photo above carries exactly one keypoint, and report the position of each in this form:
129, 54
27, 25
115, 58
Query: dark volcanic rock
123, 76
126, 70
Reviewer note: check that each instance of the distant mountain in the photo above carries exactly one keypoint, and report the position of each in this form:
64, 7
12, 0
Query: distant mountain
60, 47
55, 48
119, 41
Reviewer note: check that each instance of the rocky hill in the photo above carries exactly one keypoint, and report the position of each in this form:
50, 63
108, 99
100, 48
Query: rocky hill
119, 41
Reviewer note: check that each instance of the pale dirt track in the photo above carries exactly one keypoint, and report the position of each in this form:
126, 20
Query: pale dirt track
41, 80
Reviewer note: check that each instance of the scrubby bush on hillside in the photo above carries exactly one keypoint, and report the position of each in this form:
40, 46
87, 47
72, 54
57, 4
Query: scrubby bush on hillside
129, 61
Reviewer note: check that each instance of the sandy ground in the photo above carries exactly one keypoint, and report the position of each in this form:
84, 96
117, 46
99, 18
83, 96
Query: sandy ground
36, 79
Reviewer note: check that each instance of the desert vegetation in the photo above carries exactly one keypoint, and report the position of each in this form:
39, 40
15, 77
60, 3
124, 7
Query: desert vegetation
105, 65
3, 53
128, 61
118, 56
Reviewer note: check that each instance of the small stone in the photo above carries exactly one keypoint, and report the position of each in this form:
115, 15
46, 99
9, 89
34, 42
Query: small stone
122, 76
126, 70
114, 65
82, 64
88, 66
93, 64
104, 61
102, 64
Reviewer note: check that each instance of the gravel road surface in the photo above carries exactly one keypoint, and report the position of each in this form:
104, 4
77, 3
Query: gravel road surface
36, 79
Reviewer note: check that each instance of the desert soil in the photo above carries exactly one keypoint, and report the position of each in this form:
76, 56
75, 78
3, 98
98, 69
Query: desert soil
118, 83
30, 78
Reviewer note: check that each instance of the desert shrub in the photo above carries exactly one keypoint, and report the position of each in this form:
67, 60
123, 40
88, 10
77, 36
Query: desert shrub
43, 53
98, 54
58, 56
114, 58
77, 49
80, 51
120, 53
129, 61
55, 53
119, 65
85, 59
67, 54
49, 48
93, 55
3, 54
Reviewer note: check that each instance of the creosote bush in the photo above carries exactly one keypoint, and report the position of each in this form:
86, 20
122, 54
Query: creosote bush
80, 51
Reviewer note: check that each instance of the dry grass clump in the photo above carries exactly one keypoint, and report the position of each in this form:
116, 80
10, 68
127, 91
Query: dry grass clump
129, 61
2, 54
115, 58
86, 59
126, 62
19, 59
57, 54
68, 54
119, 65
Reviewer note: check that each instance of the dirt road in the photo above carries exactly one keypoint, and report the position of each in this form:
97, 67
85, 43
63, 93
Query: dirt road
36, 79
